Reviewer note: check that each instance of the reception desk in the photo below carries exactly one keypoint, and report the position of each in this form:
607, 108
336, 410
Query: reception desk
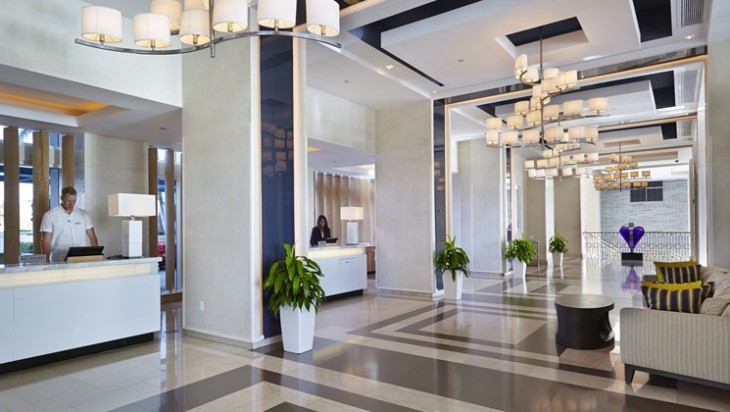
344, 268
58, 311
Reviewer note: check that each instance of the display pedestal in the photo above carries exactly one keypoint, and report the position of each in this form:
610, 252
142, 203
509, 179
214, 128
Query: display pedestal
632, 256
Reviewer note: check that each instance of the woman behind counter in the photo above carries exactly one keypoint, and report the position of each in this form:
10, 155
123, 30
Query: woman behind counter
320, 232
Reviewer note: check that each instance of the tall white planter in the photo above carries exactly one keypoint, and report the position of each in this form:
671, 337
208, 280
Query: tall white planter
557, 259
453, 288
519, 269
297, 329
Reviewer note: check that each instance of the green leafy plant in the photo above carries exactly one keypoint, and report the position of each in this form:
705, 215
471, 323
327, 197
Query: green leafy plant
294, 281
520, 249
452, 258
558, 244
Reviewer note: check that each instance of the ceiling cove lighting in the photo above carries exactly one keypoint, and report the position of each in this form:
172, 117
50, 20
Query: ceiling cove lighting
536, 122
201, 24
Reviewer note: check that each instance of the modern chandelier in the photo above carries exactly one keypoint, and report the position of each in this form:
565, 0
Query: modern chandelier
201, 24
535, 121
623, 175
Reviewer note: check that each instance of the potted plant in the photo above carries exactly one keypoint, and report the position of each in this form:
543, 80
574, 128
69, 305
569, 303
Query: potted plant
454, 260
295, 294
558, 246
523, 250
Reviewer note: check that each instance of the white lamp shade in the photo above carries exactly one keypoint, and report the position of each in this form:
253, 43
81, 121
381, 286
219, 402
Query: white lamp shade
170, 8
537, 91
573, 107
565, 159
151, 30
542, 163
551, 172
101, 24
534, 118
529, 164
547, 153
531, 136
554, 161
592, 134
132, 204
539, 172
230, 16
197, 4
567, 80
494, 123
520, 65
567, 171
592, 157
515, 121
554, 134
510, 137
195, 27
323, 17
598, 105
576, 133
532, 173
492, 137
532, 75
351, 213
551, 112
277, 13
579, 157
549, 86
522, 107
550, 73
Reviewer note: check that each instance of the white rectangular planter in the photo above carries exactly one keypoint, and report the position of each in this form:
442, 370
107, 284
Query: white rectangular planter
297, 329
453, 289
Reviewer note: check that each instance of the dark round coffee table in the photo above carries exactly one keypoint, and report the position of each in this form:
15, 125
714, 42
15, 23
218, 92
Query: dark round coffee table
583, 321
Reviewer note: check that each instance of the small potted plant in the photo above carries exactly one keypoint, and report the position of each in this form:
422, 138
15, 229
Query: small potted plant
558, 246
455, 260
295, 294
523, 250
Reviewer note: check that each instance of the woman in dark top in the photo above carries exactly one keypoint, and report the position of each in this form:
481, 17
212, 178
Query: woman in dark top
320, 232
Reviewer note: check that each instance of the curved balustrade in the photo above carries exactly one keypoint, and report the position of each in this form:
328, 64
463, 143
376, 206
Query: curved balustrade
659, 246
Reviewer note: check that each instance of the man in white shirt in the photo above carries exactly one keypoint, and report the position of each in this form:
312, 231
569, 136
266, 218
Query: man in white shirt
65, 226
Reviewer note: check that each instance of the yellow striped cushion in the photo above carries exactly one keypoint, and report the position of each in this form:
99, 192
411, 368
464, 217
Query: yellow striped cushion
659, 266
675, 297
679, 274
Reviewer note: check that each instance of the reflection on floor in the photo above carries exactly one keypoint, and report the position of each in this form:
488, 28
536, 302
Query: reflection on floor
494, 350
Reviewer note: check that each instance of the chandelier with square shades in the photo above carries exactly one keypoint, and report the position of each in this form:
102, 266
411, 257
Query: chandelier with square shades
200, 24
623, 175
535, 121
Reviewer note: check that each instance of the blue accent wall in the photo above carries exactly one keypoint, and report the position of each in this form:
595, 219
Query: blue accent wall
277, 159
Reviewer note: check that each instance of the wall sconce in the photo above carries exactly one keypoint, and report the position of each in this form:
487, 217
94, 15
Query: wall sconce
352, 214
132, 205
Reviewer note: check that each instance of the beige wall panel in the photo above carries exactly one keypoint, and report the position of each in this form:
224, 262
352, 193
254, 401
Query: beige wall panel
40, 184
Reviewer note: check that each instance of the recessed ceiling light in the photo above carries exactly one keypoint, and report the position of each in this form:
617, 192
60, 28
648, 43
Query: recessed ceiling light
689, 36
389, 66
346, 81
461, 60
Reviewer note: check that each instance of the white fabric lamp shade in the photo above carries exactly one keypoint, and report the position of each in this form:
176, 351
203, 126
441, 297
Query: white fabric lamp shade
551, 112
529, 164
646, 173
550, 73
598, 105
542, 163
510, 137
132, 205
520, 65
151, 30
592, 157
540, 173
230, 16
567, 80
170, 8
515, 121
195, 27
567, 171
492, 137
576, 133
494, 123
549, 86
547, 153
323, 17
101, 24
565, 159
532, 173
197, 5
554, 161
554, 134
537, 91
277, 13
522, 107
534, 118
532, 75
351, 213
573, 107
551, 172
579, 158
592, 134
531, 136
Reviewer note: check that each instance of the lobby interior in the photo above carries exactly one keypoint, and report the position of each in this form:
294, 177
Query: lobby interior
404, 101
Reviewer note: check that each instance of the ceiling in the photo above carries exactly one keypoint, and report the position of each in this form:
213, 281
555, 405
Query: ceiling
396, 52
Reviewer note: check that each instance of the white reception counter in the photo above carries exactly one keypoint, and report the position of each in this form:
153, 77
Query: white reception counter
344, 268
57, 311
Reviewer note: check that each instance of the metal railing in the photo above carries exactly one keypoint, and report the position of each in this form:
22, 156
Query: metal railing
659, 246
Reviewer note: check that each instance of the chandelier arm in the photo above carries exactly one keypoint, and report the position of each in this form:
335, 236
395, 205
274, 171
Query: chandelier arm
262, 33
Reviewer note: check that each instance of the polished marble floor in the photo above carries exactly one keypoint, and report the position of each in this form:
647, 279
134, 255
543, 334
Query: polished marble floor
492, 351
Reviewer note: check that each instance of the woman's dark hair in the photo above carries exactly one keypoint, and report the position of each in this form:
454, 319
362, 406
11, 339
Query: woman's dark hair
321, 217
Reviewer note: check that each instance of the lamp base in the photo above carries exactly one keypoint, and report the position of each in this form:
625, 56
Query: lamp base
132, 238
352, 236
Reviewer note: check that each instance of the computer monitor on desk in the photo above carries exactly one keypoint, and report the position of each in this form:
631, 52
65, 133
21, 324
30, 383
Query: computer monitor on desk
331, 240
84, 254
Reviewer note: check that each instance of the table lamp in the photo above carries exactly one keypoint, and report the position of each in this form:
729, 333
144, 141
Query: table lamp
352, 214
132, 205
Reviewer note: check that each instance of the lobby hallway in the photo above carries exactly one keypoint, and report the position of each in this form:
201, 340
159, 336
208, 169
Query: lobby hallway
493, 351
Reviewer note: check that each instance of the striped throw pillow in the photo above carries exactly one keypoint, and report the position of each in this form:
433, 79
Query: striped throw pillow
679, 274
675, 297
659, 265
